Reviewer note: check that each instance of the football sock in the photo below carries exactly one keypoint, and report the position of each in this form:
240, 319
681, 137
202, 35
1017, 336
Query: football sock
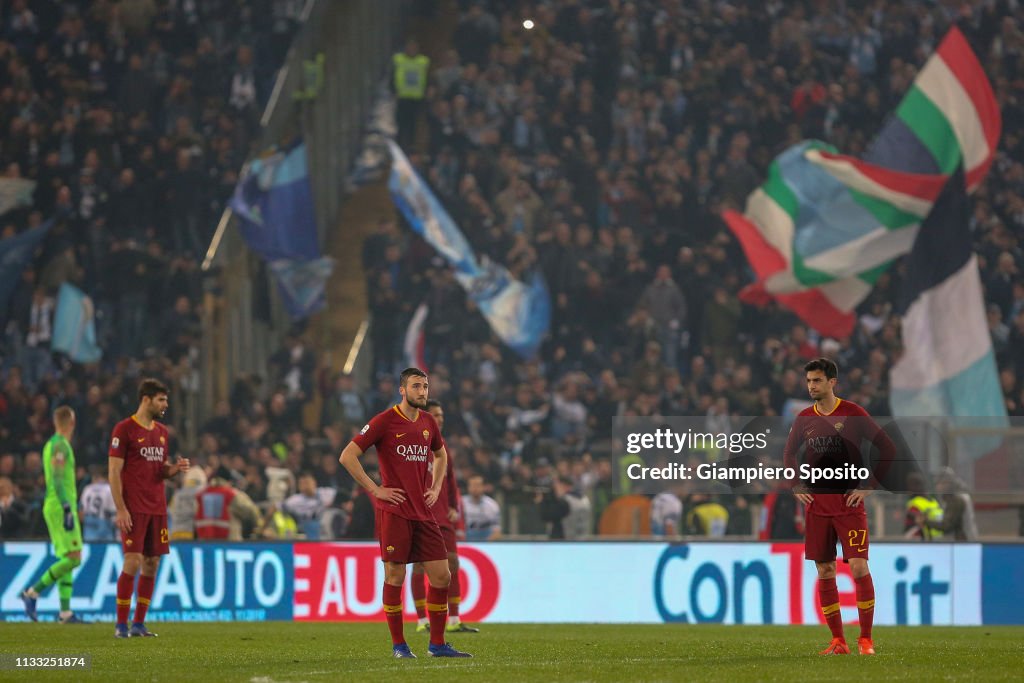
393, 612
64, 586
125, 588
437, 609
145, 593
865, 604
56, 570
454, 598
419, 594
828, 595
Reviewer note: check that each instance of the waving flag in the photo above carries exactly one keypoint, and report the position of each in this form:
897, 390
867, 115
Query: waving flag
74, 326
518, 312
15, 193
817, 245
415, 339
824, 226
948, 367
274, 204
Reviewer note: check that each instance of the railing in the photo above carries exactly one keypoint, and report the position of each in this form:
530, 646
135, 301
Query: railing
353, 40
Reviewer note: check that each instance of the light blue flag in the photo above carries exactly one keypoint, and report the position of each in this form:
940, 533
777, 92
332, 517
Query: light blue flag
518, 312
303, 284
74, 326
15, 193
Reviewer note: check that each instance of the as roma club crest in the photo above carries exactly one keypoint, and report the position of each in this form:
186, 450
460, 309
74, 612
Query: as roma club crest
426, 435
839, 426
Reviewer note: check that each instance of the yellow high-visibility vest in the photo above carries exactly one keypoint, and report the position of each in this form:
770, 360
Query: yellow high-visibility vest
284, 526
932, 512
411, 76
625, 483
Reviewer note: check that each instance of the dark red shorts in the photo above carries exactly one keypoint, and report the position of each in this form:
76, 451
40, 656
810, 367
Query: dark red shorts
148, 536
448, 534
409, 540
823, 532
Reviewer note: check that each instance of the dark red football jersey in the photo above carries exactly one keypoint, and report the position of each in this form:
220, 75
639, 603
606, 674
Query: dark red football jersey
404, 450
830, 441
145, 452
449, 497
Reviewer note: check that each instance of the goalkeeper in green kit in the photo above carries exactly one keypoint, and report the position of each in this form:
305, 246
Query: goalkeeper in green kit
60, 510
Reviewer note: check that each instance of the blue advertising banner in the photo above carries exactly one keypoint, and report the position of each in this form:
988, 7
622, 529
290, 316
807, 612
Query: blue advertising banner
1002, 575
931, 584
195, 582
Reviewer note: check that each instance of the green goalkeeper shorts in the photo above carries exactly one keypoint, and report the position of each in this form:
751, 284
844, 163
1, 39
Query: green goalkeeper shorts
64, 542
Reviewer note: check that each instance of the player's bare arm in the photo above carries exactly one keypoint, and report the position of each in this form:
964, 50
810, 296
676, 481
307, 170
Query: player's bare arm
453, 485
439, 472
349, 459
857, 496
789, 459
177, 468
123, 519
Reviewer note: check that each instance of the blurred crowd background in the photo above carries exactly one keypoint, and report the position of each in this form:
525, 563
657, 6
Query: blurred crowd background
599, 147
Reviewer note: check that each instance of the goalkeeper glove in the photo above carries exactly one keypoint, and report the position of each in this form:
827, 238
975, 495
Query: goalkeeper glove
69, 518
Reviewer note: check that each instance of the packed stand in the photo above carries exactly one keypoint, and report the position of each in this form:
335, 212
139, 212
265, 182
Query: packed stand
601, 147
117, 110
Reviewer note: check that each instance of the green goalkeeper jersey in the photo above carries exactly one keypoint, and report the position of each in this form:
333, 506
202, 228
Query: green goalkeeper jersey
59, 489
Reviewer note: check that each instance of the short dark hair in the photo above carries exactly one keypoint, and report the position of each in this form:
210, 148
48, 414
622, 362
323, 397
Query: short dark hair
151, 388
410, 372
826, 365
433, 403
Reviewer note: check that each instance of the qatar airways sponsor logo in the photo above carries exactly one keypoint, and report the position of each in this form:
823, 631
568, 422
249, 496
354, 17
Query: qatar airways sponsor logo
152, 453
413, 452
826, 445
343, 582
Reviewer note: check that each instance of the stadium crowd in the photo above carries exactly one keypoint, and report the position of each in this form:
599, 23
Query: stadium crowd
599, 147
115, 109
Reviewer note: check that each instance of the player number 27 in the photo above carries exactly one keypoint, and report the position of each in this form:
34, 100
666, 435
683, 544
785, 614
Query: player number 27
854, 542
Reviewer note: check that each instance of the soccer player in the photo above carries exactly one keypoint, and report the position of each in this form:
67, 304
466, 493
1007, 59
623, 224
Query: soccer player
60, 510
405, 435
829, 433
138, 465
446, 513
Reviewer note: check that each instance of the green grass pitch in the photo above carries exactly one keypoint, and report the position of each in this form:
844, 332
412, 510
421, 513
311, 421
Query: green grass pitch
276, 651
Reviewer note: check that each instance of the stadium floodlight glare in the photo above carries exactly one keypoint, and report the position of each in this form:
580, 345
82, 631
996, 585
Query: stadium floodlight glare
528, 24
